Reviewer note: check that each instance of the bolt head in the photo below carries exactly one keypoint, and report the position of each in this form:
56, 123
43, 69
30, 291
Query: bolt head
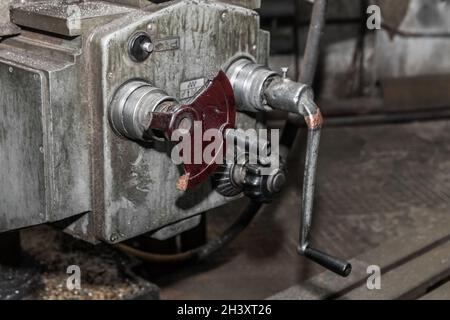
148, 46
224, 16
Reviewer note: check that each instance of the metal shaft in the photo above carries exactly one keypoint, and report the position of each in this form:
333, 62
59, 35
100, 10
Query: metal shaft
311, 56
336, 265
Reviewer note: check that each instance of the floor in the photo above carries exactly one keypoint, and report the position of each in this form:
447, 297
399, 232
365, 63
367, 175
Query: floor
374, 183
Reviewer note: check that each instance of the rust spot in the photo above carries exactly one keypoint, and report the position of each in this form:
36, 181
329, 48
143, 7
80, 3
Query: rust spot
314, 121
183, 181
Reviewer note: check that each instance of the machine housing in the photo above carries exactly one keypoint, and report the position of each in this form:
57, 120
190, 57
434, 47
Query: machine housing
61, 161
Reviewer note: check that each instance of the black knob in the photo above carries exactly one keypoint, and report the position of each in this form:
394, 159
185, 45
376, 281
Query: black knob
140, 47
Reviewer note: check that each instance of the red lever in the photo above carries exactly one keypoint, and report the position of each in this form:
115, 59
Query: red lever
214, 108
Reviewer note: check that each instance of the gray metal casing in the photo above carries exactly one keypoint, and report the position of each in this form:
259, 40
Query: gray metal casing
43, 172
124, 188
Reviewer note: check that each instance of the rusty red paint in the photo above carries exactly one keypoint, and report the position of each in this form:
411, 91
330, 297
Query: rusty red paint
215, 108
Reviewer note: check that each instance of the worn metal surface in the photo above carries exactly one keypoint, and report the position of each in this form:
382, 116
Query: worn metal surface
249, 81
61, 17
65, 174
193, 39
64, 181
22, 176
4, 13
251, 4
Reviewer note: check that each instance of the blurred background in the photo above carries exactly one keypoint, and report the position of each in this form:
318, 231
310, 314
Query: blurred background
402, 67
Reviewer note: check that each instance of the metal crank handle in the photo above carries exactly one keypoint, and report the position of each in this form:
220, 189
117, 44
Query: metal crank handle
314, 121
250, 83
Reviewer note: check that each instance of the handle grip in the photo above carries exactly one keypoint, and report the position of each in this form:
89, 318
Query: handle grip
338, 266
314, 121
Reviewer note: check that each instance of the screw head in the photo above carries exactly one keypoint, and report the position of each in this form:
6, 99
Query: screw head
224, 16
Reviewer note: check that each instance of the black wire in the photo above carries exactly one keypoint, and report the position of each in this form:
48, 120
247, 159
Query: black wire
204, 251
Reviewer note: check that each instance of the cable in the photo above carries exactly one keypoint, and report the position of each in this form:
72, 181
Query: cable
201, 252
